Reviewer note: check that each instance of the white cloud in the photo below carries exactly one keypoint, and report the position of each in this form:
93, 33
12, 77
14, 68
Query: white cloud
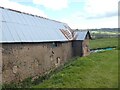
22, 8
83, 23
25, 1
96, 14
95, 8
52, 4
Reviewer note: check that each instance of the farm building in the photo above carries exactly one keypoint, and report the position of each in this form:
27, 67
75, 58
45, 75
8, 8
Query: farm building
33, 46
81, 43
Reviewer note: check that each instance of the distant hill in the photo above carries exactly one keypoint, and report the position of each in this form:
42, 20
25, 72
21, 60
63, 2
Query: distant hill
102, 29
102, 32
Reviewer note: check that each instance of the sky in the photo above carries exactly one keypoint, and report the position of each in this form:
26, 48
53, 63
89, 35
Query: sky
78, 14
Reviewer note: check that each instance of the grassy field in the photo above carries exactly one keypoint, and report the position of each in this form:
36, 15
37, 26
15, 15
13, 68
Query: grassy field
103, 43
98, 70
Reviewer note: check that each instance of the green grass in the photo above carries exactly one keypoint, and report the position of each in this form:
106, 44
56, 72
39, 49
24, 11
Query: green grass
98, 70
103, 43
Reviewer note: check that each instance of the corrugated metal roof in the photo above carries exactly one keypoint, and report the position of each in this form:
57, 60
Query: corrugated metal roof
20, 27
81, 35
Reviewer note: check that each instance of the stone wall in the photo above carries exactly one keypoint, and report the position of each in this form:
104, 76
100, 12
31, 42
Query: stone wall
81, 47
77, 48
85, 47
21, 61
0, 65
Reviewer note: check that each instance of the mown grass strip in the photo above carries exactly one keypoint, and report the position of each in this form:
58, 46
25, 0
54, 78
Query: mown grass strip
99, 70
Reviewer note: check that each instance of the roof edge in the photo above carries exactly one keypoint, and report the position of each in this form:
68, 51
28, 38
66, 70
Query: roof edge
31, 14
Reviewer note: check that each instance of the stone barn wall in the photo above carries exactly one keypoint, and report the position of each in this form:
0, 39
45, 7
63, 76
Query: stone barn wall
77, 48
81, 47
85, 47
0, 65
21, 61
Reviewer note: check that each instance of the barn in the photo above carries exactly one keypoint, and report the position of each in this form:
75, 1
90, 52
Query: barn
81, 43
33, 45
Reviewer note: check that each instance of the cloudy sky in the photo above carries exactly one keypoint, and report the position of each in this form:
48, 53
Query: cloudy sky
81, 14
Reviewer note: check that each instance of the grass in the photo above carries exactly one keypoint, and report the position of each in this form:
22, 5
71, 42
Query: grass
103, 43
98, 70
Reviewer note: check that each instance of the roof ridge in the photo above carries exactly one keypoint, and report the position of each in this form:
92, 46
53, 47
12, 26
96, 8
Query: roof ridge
31, 14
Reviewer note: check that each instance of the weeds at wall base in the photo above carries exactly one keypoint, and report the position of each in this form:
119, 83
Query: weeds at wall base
27, 83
